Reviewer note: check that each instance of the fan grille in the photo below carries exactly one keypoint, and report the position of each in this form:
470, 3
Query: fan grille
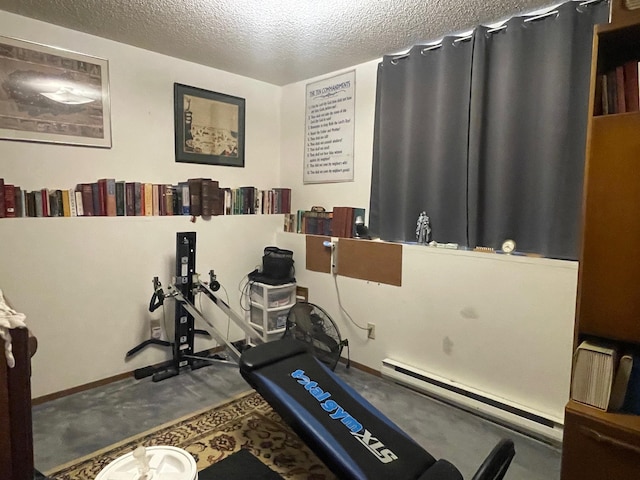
310, 324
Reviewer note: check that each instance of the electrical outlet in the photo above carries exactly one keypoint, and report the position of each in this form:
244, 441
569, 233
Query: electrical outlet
371, 327
302, 294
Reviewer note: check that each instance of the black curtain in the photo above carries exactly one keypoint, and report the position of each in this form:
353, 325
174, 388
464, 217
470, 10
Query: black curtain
420, 142
530, 91
488, 135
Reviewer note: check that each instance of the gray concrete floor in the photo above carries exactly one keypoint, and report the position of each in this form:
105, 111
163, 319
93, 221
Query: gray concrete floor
76, 425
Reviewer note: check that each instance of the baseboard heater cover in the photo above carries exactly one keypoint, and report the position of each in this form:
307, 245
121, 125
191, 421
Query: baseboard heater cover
511, 415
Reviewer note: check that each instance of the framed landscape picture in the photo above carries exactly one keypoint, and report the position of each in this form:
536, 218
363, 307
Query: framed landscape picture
52, 95
209, 127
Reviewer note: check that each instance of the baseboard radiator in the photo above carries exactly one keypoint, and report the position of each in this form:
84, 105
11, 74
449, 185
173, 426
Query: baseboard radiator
510, 415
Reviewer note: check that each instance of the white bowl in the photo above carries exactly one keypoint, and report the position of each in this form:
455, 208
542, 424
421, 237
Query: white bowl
165, 463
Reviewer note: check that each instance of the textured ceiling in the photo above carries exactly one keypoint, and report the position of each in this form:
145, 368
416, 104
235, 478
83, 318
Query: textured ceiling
277, 41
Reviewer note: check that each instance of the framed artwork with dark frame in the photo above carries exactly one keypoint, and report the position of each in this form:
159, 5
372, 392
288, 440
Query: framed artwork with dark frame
52, 95
209, 127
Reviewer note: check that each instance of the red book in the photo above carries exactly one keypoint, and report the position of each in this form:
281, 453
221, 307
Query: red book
9, 200
102, 192
163, 199
87, 199
335, 229
339, 223
350, 222
286, 200
612, 91
632, 103
620, 93
46, 209
2, 208
108, 196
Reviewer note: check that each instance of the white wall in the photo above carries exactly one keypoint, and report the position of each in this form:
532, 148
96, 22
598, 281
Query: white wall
502, 325
328, 195
85, 283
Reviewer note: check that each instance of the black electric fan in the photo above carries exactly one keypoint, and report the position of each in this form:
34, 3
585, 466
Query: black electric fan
310, 324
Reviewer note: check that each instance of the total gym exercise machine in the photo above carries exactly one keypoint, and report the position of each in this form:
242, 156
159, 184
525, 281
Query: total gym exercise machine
183, 289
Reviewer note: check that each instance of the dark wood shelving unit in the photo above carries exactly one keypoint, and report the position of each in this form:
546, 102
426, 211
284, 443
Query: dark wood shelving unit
601, 445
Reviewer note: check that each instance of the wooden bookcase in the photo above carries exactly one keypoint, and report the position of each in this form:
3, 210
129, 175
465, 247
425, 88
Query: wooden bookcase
597, 444
16, 435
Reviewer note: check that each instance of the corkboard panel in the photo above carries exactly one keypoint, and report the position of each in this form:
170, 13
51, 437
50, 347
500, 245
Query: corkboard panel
374, 261
318, 257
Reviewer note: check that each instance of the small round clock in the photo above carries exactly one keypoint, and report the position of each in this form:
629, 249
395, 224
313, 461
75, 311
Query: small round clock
508, 246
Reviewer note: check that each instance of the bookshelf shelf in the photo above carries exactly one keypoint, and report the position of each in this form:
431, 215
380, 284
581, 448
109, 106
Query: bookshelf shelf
598, 444
109, 197
600, 121
617, 66
621, 420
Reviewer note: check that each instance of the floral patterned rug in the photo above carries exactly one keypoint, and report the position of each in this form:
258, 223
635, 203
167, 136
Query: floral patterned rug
246, 422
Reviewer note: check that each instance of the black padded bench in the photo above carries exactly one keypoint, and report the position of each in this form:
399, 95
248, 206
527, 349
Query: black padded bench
352, 437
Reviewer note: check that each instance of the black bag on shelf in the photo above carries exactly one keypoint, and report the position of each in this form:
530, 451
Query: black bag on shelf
277, 267
277, 263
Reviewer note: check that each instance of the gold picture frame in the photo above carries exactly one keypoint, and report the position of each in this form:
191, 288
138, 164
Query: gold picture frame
52, 95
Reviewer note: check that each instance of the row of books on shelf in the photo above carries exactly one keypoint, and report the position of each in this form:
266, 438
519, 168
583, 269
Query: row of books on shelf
341, 222
618, 90
606, 377
108, 197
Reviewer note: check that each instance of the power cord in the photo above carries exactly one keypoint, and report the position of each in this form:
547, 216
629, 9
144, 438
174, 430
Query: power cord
245, 293
344, 311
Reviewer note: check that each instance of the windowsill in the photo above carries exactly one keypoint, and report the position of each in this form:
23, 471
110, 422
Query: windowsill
521, 258
496, 256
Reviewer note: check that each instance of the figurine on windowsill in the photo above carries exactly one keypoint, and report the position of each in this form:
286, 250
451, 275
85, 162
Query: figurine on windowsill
423, 229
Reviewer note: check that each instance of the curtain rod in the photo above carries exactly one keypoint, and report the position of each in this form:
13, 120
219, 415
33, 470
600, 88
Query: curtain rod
541, 16
394, 60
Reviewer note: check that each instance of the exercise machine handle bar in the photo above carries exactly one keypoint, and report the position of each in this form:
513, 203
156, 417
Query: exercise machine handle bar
157, 299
